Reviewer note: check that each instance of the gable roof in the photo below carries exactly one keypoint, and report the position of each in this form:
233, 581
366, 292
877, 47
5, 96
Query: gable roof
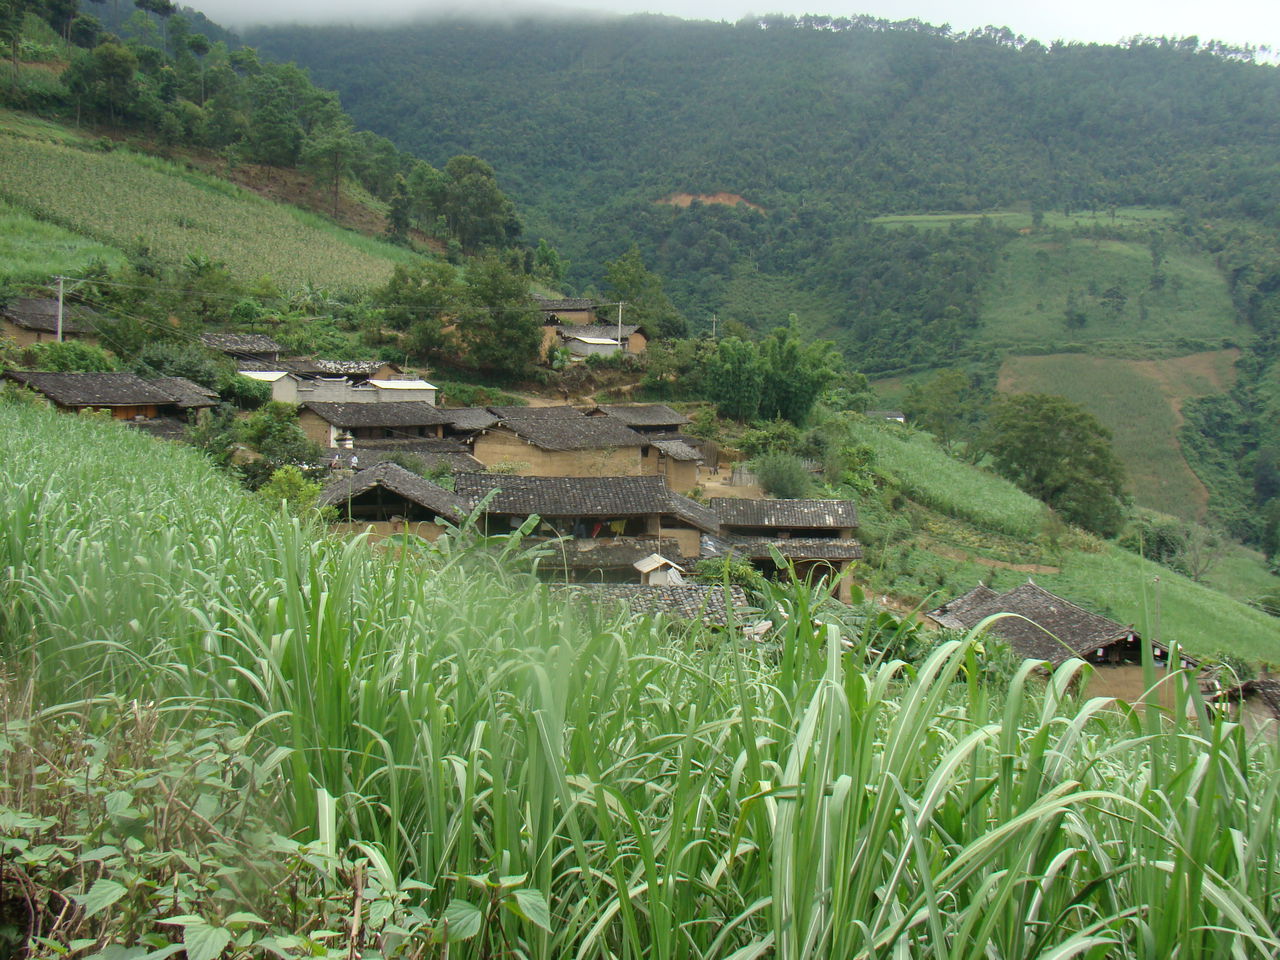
94, 389
573, 433
393, 477
833, 514
793, 548
584, 497
677, 450
607, 553
469, 418
594, 332
644, 414
686, 602
564, 303
187, 393
432, 451
954, 614
1058, 629
41, 314
406, 413
234, 343
559, 412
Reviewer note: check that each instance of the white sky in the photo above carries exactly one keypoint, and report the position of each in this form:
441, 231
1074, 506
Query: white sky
1255, 22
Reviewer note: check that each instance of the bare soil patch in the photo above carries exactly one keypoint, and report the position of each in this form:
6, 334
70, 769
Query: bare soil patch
965, 557
722, 198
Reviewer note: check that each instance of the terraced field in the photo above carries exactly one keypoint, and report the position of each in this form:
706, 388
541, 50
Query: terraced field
119, 199
1140, 401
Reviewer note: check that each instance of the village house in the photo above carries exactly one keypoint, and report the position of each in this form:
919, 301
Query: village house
709, 604
573, 310
559, 442
606, 559
125, 395
465, 423
816, 537
431, 452
646, 418
1050, 628
245, 347
32, 320
348, 424
388, 500
591, 508
601, 339
339, 381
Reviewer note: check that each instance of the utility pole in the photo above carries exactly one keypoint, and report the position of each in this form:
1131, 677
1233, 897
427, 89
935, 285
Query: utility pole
59, 279
619, 324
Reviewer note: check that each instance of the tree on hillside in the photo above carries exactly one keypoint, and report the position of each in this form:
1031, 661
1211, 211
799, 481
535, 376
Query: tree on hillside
948, 406
735, 379
499, 325
328, 154
476, 210
420, 299
795, 373
1057, 451
629, 281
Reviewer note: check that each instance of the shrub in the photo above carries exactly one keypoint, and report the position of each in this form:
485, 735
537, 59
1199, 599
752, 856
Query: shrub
782, 475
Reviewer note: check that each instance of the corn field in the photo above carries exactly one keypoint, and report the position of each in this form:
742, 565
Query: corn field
514, 778
121, 199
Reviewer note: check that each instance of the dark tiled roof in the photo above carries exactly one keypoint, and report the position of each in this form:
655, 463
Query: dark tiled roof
565, 303
94, 389
785, 513
1058, 629
469, 418
644, 414
405, 413
234, 343
309, 367
41, 314
536, 413
677, 450
349, 368
584, 497
431, 451
608, 553
687, 602
567, 433
603, 331
954, 614
794, 548
393, 477
186, 393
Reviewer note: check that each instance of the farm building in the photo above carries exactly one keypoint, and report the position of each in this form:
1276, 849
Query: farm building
575, 310
591, 508
388, 500
1047, 627
646, 418
563, 443
815, 537
32, 320
431, 452
339, 381
334, 424
466, 422
246, 347
125, 395
604, 560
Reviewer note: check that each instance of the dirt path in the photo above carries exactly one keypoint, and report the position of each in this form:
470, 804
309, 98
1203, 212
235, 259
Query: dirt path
964, 557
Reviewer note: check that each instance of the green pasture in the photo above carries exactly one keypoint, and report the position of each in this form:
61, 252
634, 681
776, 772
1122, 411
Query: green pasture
120, 199
1038, 278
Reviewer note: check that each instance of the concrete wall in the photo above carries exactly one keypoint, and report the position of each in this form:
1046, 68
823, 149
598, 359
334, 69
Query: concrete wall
500, 445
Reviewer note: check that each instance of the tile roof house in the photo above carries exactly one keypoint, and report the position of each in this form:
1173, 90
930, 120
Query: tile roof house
603, 560
432, 452
243, 346
1048, 627
330, 424
304, 380
592, 507
559, 441
31, 320
126, 395
815, 537
467, 421
387, 500
684, 602
567, 310
584, 340
644, 417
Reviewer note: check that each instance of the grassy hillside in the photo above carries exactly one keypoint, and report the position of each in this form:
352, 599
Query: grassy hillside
964, 525
33, 250
1140, 402
119, 199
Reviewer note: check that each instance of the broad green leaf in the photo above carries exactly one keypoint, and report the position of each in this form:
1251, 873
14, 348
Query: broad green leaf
532, 905
243, 917
461, 921
182, 920
205, 942
101, 895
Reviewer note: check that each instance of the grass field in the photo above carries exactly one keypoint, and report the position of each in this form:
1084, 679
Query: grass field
32, 251
476, 771
119, 198
1026, 300
1140, 401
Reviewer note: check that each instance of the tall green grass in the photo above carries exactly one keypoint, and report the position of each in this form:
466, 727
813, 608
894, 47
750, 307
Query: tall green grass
928, 475
692, 798
32, 251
